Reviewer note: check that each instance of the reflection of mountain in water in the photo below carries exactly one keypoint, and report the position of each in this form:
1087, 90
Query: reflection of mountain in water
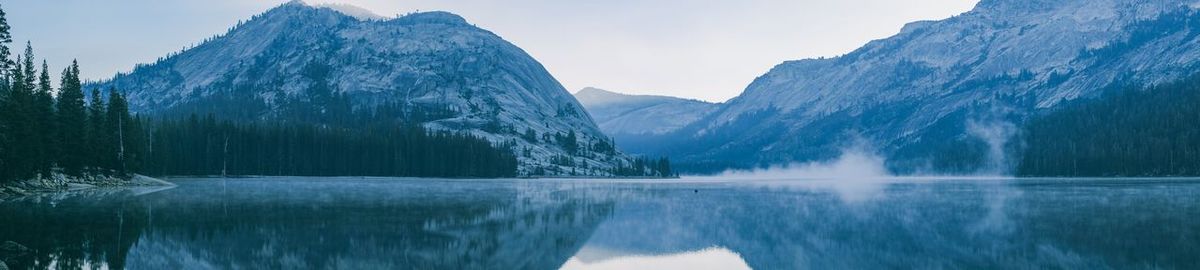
948, 225
432, 224
329, 224
709, 258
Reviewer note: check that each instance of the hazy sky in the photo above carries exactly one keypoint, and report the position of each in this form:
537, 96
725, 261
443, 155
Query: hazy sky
700, 49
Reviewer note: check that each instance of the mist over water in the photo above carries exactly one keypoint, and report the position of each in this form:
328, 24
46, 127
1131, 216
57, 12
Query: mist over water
998, 135
853, 164
860, 174
860, 162
855, 176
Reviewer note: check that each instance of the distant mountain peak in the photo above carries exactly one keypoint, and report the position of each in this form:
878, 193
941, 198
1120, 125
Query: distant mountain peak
623, 114
345, 9
596, 96
436, 17
353, 11
592, 96
595, 91
363, 14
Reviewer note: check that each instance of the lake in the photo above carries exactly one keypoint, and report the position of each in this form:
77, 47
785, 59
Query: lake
381, 223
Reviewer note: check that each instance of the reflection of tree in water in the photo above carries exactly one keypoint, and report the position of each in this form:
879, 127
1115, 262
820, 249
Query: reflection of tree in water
322, 224
72, 231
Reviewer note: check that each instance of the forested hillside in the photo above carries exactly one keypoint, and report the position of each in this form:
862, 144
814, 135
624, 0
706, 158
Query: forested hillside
207, 146
1134, 132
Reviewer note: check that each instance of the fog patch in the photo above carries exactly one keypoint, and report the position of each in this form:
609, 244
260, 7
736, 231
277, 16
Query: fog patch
998, 135
857, 175
851, 165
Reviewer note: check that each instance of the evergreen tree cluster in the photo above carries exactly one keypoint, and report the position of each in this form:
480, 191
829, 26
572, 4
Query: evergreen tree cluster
1135, 132
569, 142
207, 146
42, 132
645, 167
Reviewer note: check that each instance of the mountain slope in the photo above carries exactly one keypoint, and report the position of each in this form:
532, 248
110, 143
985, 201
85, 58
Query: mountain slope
628, 115
316, 64
1131, 133
946, 95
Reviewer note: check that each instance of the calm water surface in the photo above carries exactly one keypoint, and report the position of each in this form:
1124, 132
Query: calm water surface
356, 223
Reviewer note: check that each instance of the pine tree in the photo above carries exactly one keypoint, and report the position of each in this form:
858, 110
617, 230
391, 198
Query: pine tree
119, 125
5, 91
17, 128
664, 168
71, 122
530, 135
572, 143
5, 40
29, 73
10, 112
137, 143
97, 134
43, 125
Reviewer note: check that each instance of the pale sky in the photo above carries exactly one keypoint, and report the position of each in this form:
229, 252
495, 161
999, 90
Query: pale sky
702, 49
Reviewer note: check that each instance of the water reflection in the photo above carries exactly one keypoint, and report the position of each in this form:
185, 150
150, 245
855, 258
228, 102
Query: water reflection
352, 223
715, 258
309, 223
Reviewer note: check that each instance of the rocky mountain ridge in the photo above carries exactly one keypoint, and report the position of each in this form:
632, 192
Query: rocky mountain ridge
941, 92
298, 62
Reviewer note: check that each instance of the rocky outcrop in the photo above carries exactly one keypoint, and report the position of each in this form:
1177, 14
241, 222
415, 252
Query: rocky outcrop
60, 183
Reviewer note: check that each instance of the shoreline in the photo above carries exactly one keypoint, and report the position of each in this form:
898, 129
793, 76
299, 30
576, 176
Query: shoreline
62, 183
420, 177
